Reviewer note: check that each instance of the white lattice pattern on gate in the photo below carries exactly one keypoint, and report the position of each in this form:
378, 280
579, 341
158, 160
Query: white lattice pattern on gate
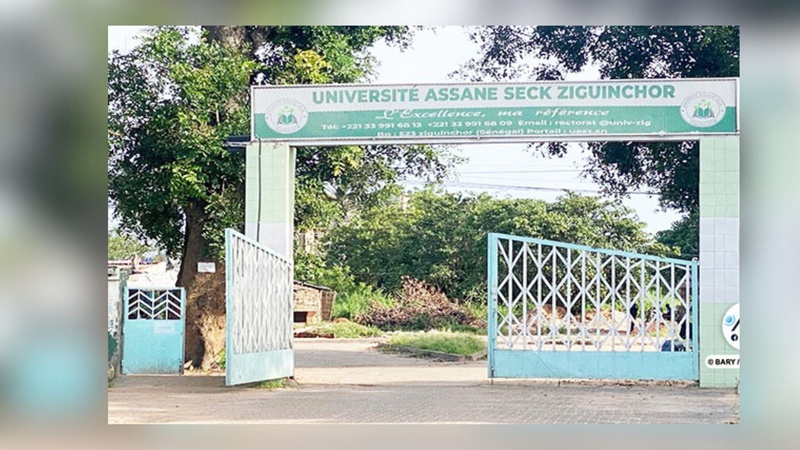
557, 296
154, 303
262, 298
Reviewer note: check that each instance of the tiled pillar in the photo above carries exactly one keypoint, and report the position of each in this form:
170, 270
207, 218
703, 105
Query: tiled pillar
719, 253
269, 196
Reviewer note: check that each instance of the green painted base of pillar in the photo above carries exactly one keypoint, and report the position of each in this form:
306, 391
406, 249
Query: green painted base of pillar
713, 343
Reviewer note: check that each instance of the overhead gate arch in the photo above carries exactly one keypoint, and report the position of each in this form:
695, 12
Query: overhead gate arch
704, 110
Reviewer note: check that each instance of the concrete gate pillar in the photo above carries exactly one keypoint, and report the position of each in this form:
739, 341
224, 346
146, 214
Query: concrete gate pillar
719, 255
269, 196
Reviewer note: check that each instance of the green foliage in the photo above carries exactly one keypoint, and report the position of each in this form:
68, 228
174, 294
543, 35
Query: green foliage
684, 235
277, 383
311, 268
441, 238
221, 359
171, 105
348, 330
124, 246
357, 301
453, 343
419, 306
619, 52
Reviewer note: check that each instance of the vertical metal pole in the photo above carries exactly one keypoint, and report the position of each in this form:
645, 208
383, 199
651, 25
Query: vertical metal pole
568, 300
673, 295
229, 277
627, 297
613, 302
525, 295
642, 292
597, 309
491, 291
584, 291
553, 294
539, 302
183, 325
694, 307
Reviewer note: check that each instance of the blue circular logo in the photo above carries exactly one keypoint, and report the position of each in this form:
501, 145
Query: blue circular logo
729, 320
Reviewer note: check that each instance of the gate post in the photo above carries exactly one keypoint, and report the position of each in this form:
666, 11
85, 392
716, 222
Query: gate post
269, 195
491, 301
719, 255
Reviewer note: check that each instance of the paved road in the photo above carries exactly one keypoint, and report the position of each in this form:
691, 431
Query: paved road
350, 382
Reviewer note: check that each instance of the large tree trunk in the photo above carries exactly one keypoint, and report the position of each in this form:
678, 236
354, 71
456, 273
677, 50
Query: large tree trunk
205, 295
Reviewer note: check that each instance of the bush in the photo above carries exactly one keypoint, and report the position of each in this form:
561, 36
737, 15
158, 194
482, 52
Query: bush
356, 302
419, 307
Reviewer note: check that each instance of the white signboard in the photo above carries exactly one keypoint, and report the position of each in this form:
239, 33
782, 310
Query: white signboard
608, 109
206, 267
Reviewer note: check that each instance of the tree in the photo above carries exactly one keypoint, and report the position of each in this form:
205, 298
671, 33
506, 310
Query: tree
354, 177
172, 105
618, 52
124, 246
683, 235
441, 238
174, 100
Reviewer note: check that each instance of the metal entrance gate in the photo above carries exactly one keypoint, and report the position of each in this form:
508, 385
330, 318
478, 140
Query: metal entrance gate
560, 310
152, 330
258, 305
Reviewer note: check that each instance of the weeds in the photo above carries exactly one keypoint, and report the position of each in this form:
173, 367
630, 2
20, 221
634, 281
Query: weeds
348, 330
453, 343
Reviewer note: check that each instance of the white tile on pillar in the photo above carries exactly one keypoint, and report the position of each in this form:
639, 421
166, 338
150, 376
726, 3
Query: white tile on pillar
731, 277
719, 278
732, 260
731, 242
731, 226
719, 243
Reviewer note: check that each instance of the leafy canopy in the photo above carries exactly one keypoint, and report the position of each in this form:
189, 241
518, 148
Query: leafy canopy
441, 238
617, 52
172, 104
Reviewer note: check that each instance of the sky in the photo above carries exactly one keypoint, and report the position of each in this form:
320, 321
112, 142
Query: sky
503, 170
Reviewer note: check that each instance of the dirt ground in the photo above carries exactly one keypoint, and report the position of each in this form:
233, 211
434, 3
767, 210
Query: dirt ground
351, 381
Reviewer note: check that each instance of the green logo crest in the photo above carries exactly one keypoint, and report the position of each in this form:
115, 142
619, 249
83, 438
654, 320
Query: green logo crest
286, 116
702, 110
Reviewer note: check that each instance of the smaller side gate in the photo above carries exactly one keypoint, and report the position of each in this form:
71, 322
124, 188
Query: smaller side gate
259, 305
153, 330
560, 310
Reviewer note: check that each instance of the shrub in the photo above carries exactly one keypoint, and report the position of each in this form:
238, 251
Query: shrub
419, 306
357, 301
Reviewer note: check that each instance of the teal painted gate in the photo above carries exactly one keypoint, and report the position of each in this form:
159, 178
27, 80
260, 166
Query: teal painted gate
559, 310
152, 331
258, 304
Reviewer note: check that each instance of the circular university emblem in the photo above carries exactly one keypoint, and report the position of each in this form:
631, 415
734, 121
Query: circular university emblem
702, 109
730, 326
286, 116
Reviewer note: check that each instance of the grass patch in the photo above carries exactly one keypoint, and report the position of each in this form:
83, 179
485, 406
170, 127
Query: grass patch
453, 343
458, 328
274, 384
349, 330
351, 304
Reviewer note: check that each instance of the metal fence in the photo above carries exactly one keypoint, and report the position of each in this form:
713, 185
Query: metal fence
259, 303
547, 296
